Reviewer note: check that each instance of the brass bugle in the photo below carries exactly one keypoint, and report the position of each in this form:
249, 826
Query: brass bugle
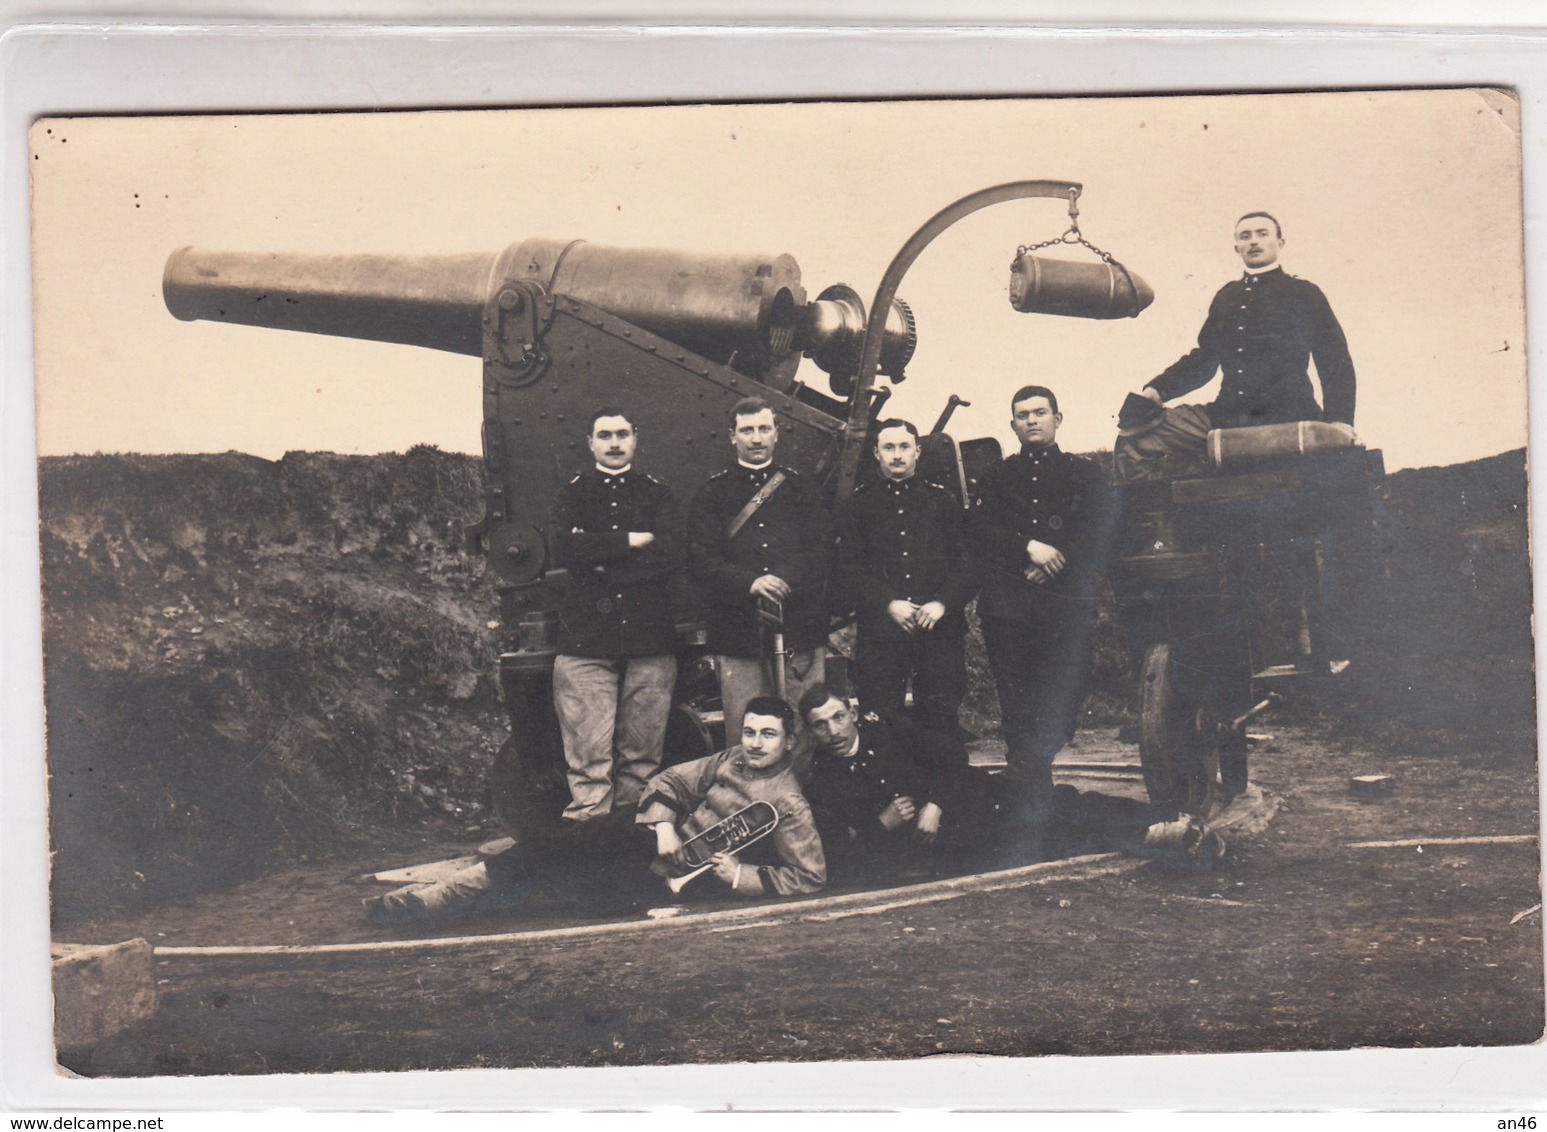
729, 835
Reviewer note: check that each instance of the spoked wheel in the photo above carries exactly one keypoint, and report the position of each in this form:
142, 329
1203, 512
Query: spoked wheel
1178, 739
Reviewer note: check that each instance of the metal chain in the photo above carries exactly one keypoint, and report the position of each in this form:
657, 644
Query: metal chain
1072, 236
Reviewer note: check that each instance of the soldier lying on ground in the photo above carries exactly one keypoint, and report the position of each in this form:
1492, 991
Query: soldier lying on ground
603, 867
892, 798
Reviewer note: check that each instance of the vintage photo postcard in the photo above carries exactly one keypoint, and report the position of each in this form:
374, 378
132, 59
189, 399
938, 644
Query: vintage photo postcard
811, 582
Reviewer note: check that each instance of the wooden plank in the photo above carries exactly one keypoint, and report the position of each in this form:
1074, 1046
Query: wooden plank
815, 908
1420, 842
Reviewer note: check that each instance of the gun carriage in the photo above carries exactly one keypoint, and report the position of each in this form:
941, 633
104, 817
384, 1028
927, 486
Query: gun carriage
1237, 578
562, 327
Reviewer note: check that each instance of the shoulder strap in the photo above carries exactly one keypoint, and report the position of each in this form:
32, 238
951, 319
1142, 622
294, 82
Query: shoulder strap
762, 496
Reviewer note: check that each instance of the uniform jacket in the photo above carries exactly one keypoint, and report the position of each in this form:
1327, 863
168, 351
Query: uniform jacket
895, 758
789, 536
1262, 330
1050, 496
904, 540
695, 795
618, 602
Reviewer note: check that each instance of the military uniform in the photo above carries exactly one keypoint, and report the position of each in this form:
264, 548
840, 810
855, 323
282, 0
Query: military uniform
904, 541
1261, 331
894, 758
789, 536
605, 866
1038, 635
613, 677
696, 795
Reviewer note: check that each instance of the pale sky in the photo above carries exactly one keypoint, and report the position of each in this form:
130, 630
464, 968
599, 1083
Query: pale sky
1404, 207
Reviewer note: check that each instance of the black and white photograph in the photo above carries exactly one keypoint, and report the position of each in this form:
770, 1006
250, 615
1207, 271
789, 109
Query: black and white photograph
830, 581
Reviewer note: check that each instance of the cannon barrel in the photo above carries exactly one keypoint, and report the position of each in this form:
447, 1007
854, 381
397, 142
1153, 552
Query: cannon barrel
746, 310
433, 301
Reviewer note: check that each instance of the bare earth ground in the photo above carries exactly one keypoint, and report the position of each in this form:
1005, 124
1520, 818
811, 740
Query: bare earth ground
1301, 942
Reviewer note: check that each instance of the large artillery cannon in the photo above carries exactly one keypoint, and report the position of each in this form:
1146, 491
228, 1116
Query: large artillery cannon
563, 327
672, 339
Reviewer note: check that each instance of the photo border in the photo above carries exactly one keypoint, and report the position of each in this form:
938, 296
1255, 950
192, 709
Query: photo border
135, 69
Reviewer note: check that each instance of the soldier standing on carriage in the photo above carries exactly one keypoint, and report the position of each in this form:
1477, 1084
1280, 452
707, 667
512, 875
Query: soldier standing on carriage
759, 532
1262, 332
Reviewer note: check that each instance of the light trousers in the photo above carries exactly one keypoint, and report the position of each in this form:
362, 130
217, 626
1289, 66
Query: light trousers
612, 716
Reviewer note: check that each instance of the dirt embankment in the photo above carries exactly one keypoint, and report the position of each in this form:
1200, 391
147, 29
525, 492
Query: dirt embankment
1452, 654
249, 661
